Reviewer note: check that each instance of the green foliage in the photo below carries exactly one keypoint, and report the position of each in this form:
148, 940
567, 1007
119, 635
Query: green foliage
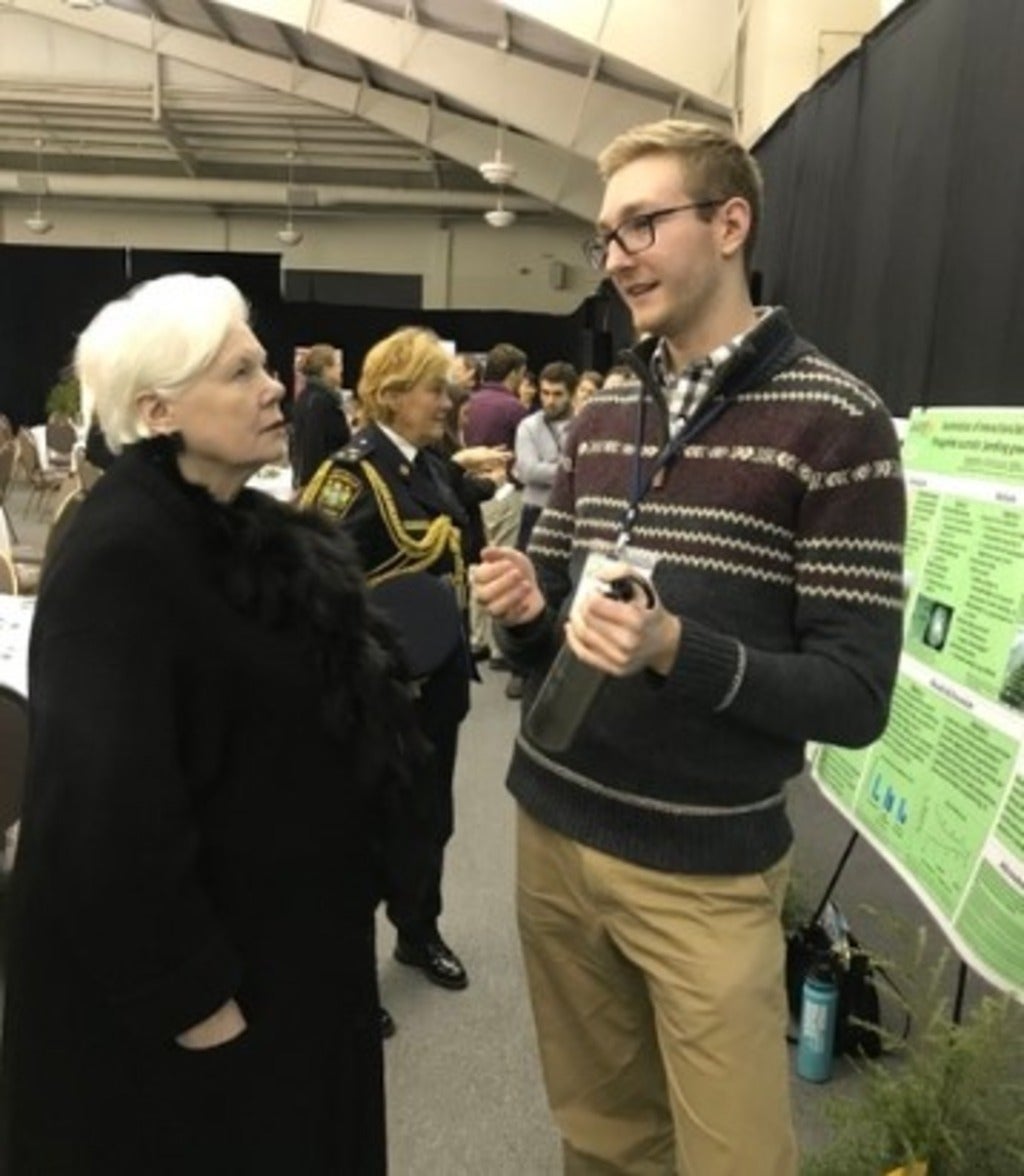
953, 1095
64, 397
1012, 692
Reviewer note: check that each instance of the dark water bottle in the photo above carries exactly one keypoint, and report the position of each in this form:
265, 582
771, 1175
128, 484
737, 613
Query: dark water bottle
817, 1024
572, 686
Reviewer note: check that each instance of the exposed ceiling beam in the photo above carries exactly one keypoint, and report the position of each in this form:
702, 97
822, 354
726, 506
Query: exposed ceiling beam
681, 41
154, 8
161, 118
216, 18
257, 193
177, 145
539, 99
290, 42
545, 172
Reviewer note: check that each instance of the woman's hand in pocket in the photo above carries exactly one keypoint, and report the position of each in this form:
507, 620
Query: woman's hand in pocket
227, 1023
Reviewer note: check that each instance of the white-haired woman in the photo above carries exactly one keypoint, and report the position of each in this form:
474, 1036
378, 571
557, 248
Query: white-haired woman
191, 984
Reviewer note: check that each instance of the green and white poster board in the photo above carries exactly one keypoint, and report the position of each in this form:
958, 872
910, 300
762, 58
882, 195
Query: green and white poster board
941, 794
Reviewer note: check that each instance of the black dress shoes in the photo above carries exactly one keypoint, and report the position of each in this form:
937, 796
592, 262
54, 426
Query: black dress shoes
436, 961
387, 1024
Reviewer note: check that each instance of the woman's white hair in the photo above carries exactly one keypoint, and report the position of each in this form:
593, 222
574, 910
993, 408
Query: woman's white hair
158, 338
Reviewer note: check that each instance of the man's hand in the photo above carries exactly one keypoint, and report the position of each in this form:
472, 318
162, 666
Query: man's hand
505, 585
623, 637
480, 459
220, 1027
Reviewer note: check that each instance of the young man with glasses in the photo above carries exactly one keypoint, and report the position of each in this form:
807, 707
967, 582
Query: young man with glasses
757, 486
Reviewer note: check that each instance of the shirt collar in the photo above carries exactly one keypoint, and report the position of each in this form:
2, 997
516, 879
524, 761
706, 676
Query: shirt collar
686, 390
407, 450
661, 361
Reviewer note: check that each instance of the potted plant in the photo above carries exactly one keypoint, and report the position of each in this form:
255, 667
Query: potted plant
949, 1101
64, 398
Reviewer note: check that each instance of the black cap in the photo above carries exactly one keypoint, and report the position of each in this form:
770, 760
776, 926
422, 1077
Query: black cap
425, 613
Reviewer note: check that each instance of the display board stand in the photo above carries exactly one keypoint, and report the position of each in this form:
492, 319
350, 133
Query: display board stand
940, 795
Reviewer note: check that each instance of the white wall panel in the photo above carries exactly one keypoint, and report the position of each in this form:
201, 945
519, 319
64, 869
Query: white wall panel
464, 265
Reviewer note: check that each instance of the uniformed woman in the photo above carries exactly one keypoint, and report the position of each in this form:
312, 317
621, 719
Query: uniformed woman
405, 507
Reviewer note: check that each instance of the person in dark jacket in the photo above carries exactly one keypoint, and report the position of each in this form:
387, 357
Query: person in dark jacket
319, 425
216, 760
406, 508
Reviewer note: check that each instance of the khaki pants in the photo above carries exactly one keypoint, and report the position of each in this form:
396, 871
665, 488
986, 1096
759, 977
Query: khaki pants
501, 528
660, 1012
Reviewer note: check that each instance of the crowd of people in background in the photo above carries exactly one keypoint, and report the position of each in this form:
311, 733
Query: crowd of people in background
505, 431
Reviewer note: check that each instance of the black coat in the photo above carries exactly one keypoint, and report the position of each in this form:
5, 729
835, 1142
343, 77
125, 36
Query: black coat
319, 428
198, 824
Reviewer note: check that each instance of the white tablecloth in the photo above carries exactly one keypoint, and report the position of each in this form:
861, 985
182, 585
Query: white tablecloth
39, 434
15, 623
275, 481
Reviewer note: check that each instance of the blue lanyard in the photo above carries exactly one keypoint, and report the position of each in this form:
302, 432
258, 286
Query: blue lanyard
641, 485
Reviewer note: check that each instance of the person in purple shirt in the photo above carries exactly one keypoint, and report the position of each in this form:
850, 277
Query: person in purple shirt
494, 410
491, 418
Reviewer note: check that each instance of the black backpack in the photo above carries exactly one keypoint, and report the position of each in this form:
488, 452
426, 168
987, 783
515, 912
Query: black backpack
829, 941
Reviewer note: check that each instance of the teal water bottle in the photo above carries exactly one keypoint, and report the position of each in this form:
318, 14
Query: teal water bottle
818, 1010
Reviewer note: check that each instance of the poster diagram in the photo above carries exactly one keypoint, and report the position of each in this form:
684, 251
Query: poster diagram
941, 794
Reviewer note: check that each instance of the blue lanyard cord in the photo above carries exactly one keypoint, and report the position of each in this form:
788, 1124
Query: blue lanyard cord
668, 454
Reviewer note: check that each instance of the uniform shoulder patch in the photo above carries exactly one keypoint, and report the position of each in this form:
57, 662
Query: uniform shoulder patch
339, 490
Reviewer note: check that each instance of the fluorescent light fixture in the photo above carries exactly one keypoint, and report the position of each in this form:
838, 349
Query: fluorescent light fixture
289, 235
500, 218
37, 223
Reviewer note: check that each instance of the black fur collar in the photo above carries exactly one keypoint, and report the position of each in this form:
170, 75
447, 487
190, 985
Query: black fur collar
298, 574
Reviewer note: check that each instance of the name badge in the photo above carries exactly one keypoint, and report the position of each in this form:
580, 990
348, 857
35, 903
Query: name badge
640, 562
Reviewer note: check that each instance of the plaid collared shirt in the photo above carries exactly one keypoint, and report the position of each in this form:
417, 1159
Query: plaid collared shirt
686, 391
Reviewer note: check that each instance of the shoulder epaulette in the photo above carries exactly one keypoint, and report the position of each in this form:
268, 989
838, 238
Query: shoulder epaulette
357, 450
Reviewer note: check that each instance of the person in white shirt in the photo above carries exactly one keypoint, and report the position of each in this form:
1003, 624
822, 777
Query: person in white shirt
540, 439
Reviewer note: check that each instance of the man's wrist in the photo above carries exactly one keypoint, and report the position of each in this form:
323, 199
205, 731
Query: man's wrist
664, 657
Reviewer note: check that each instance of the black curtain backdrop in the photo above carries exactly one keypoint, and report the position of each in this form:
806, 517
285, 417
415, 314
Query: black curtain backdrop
49, 294
894, 190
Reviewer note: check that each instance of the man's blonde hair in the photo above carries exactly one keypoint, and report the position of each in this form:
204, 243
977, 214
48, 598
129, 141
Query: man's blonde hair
716, 165
410, 356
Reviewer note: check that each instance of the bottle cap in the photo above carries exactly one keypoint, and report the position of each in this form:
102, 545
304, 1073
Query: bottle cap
822, 971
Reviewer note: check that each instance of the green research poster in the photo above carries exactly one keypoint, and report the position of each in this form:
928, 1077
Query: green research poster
941, 794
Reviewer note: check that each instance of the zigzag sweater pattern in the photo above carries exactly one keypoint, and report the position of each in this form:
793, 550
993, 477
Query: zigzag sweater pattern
778, 535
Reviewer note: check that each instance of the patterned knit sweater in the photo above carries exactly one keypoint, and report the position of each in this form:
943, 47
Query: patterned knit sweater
778, 533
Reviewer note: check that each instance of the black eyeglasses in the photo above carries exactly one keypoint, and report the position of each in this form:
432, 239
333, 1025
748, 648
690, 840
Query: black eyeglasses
636, 233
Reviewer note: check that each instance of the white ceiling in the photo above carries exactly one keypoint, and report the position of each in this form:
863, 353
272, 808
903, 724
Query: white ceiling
389, 104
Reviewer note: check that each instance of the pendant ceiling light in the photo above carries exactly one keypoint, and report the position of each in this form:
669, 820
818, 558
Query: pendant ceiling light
499, 172
289, 235
500, 217
38, 223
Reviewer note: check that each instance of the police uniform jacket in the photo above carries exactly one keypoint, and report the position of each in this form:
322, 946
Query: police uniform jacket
410, 524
